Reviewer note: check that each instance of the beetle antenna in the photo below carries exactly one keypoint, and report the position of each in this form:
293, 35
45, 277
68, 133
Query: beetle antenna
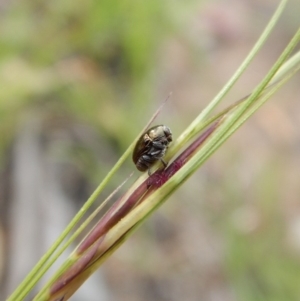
157, 111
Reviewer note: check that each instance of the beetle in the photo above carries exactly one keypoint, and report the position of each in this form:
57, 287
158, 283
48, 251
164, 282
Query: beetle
151, 147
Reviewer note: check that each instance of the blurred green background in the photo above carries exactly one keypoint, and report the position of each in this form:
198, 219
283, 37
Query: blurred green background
78, 82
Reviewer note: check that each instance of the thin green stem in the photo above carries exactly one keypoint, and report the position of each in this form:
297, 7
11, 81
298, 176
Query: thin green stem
27, 284
51, 260
251, 111
218, 139
193, 128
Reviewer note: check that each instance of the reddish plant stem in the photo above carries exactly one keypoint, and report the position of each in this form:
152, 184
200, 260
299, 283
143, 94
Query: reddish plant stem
91, 246
156, 180
112, 217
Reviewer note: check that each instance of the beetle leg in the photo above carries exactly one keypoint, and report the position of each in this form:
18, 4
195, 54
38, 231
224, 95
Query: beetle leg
158, 145
155, 152
147, 159
163, 162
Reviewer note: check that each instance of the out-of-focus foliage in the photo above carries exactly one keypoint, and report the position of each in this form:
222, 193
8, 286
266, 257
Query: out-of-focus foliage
87, 60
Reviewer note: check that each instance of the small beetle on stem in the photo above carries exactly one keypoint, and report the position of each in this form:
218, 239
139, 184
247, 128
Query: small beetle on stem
152, 147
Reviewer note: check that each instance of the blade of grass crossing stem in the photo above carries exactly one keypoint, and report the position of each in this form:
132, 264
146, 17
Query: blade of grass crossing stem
286, 71
254, 108
193, 128
48, 264
194, 163
16, 295
220, 135
69, 262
